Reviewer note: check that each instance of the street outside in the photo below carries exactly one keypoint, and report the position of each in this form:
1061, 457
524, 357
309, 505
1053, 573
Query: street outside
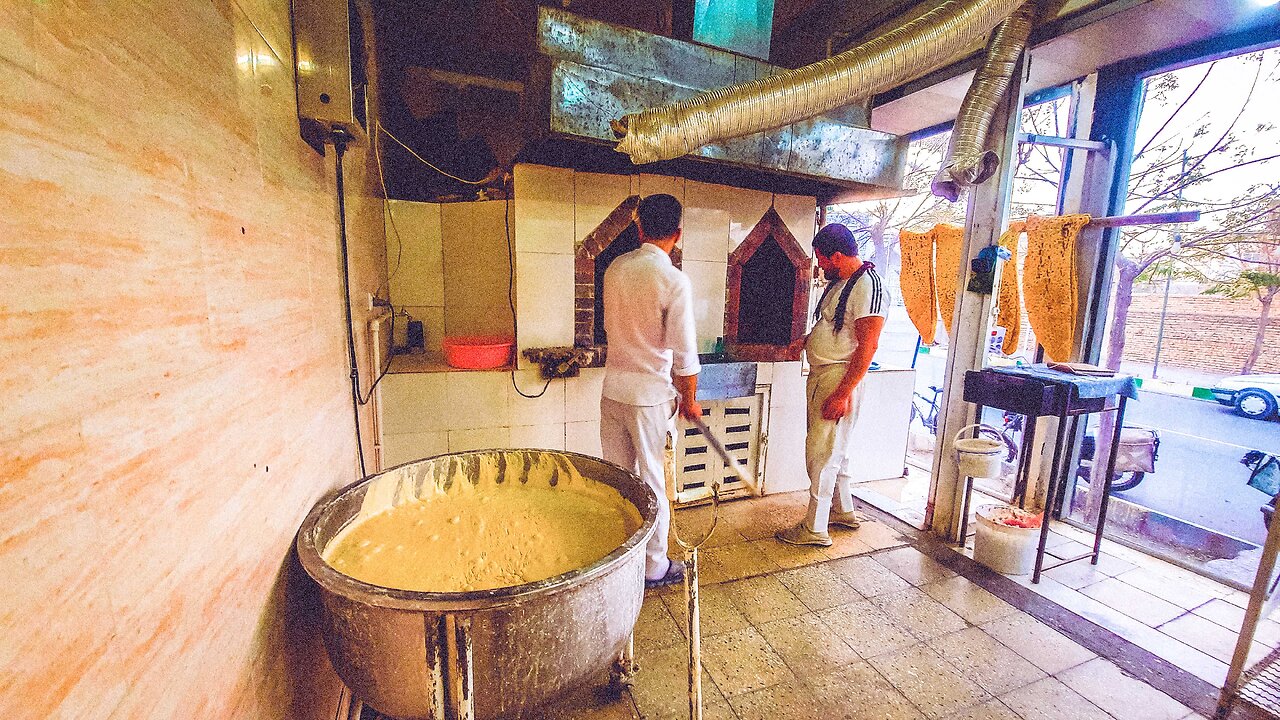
1198, 477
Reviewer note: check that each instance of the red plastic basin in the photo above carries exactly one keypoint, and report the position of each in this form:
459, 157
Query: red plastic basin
477, 352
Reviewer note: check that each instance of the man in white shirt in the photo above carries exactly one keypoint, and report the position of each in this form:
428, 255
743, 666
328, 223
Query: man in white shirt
848, 321
651, 368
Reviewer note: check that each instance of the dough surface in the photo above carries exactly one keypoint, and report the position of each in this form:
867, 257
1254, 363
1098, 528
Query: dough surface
461, 535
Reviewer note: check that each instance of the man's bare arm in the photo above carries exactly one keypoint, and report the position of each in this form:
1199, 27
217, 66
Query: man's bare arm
867, 331
687, 386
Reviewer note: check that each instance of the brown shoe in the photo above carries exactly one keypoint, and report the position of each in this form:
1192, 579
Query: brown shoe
798, 534
846, 520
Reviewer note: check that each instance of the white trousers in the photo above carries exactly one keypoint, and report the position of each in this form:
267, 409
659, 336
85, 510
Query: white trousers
827, 447
635, 437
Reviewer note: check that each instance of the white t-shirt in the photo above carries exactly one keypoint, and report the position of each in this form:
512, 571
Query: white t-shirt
648, 316
868, 297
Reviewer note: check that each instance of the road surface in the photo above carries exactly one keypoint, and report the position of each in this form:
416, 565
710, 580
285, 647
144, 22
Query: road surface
1198, 475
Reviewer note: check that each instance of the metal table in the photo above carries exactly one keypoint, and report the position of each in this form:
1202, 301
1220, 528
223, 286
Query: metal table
1035, 391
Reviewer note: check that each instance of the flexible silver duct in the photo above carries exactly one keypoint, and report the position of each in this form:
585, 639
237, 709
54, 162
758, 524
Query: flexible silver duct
966, 163
679, 128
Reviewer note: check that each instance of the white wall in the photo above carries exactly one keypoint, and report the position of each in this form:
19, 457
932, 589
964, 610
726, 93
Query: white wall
430, 413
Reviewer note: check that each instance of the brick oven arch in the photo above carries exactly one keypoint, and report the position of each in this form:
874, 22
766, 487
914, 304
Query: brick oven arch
587, 305
767, 292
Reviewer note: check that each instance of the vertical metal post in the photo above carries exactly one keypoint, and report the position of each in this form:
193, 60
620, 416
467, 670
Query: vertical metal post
1106, 479
695, 634
460, 698
1055, 478
1169, 279
988, 213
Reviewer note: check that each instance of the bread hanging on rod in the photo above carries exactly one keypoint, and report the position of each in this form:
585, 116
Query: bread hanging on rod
1009, 316
919, 287
1049, 282
948, 242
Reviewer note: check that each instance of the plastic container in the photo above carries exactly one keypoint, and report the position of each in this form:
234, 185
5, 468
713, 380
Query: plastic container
979, 457
1004, 548
477, 352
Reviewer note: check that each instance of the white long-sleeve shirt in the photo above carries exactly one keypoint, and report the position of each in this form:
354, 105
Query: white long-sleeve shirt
648, 316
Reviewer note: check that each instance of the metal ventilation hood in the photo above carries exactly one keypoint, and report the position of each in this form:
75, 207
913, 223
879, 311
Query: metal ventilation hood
589, 72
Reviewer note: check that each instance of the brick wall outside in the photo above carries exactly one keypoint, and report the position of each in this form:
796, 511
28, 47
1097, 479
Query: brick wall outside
1201, 332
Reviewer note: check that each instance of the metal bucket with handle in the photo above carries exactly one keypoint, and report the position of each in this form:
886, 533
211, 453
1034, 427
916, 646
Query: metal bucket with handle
979, 456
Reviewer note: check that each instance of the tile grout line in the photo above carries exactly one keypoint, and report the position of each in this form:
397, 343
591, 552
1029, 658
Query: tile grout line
1155, 671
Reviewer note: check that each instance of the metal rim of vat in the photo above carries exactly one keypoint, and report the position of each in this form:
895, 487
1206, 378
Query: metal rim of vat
309, 554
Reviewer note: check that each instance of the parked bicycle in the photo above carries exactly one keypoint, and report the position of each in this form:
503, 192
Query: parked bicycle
925, 410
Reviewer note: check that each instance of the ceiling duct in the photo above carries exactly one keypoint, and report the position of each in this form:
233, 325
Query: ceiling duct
680, 126
967, 163
589, 72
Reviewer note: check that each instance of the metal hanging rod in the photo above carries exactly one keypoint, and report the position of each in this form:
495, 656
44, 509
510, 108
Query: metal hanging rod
1184, 216
1112, 221
1062, 142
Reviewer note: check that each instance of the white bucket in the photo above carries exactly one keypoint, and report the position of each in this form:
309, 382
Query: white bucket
978, 457
1007, 550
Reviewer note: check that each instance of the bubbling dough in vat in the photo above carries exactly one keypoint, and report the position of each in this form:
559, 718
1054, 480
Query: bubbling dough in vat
458, 534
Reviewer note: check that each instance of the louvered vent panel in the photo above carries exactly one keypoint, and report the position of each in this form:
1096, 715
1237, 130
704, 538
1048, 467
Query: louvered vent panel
737, 423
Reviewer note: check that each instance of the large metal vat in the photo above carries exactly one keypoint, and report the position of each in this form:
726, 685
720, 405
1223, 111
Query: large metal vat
498, 653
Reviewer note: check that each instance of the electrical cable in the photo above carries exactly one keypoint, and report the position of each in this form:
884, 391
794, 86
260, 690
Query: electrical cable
342, 698
339, 147
386, 207
511, 290
386, 203
424, 161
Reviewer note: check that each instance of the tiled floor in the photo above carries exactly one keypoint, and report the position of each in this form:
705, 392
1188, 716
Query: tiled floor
1184, 618
868, 628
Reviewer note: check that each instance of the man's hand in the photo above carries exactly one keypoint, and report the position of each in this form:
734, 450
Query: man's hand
687, 396
838, 404
690, 409
797, 345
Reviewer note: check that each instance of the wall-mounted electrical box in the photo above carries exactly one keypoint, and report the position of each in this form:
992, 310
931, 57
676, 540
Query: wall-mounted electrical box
330, 69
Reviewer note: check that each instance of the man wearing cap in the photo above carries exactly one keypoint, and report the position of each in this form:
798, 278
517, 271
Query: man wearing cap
846, 331
652, 367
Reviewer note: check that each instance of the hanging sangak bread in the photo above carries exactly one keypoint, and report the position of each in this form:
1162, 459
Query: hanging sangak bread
916, 279
1010, 300
1049, 282
948, 241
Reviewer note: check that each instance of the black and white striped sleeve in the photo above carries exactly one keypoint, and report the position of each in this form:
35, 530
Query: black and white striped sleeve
870, 297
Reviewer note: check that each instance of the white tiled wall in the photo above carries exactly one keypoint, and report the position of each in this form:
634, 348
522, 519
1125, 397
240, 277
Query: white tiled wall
430, 413
476, 269
448, 268
426, 414
595, 196
708, 281
542, 225
415, 266
555, 206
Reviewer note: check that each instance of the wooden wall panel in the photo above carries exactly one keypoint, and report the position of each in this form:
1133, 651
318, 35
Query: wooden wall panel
172, 361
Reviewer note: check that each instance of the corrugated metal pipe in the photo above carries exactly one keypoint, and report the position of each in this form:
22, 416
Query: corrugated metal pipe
916, 46
966, 163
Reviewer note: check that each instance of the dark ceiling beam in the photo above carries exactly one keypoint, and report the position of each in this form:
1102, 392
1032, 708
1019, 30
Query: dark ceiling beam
804, 38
